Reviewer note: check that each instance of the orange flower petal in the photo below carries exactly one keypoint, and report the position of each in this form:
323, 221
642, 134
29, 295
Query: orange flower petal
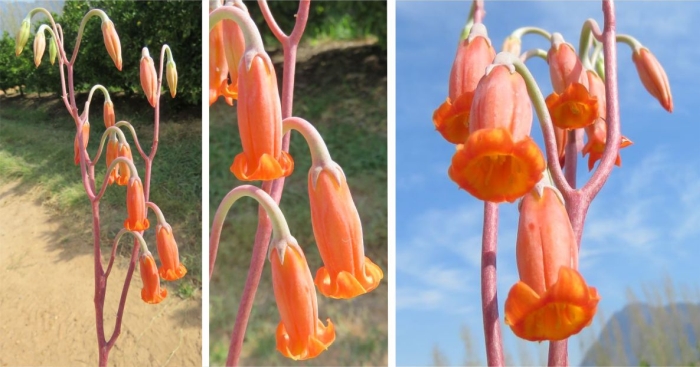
171, 268
564, 310
135, 206
452, 120
574, 108
267, 168
151, 291
492, 167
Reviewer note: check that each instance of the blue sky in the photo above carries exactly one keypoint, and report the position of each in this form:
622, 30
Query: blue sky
643, 226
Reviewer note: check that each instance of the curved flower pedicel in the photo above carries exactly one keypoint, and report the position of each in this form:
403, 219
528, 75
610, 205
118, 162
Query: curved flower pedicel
551, 301
474, 54
347, 272
499, 161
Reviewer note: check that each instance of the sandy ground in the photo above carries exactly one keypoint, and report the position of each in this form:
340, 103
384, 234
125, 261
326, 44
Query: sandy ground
47, 314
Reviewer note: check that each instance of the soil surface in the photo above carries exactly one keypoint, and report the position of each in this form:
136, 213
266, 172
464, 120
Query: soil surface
47, 314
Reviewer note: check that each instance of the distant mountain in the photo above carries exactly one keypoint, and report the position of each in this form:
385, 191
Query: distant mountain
642, 335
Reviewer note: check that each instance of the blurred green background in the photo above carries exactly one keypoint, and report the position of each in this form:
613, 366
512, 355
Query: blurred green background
341, 89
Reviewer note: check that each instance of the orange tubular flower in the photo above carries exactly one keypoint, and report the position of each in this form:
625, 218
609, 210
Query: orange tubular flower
218, 69
149, 79
114, 48
551, 301
564, 66
112, 154
108, 112
573, 109
151, 292
171, 268
474, 54
597, 132
123, 172
76, 146
300, 335
135, 206
653, 76
234, 46
347, 272
260, 124
499, 161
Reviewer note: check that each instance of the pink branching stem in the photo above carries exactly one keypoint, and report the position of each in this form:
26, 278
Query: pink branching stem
578, 203
274, 188
479, 11
489, 296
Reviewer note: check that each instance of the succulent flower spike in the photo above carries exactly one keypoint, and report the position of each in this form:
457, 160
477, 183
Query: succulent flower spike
135, 206
347, 272
108, 112
114, 48
112, 154
151, 291
597, 132
39, 47
76, 145
171, 268
653, 76
149, 79
300, 335
474, 54
123, 173
499, 161
260, 123
551, 301
218, 69
22, 35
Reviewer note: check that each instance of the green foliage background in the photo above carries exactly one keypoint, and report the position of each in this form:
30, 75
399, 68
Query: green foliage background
139, 24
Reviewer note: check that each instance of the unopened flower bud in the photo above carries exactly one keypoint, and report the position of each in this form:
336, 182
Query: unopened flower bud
39, 47
109, 114
114, 48
171, 77
22, 36
53, 50
653, 76
513, 45
149, 80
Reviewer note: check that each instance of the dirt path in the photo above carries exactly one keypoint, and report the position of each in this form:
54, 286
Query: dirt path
47, 315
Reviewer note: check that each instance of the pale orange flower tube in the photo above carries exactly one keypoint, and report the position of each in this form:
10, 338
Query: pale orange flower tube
149, 79
171, 268
112, 44
260, 123
551, 301
135, 206
151, 292
300, 335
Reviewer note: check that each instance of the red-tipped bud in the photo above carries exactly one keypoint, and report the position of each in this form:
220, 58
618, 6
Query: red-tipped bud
149, 79
108, 112
653, 76
114, 48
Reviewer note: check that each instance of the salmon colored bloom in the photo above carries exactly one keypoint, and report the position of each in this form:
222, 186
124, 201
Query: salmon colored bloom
234, 47
653, 76
135, 206
151, 291
149, 79
347, 272
112, 154
108, 112
76, 145
260, 124
114, 48
597, 132
171, 268
551, 301
474, 54
123, 172
565, 68
300, 335
499, 161
218, 69
39, 47
573, 109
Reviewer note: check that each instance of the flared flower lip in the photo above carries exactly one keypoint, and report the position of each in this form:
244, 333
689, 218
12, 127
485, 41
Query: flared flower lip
564, 310
492, 167
268, 167
346, 285
573, 109
451, 119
